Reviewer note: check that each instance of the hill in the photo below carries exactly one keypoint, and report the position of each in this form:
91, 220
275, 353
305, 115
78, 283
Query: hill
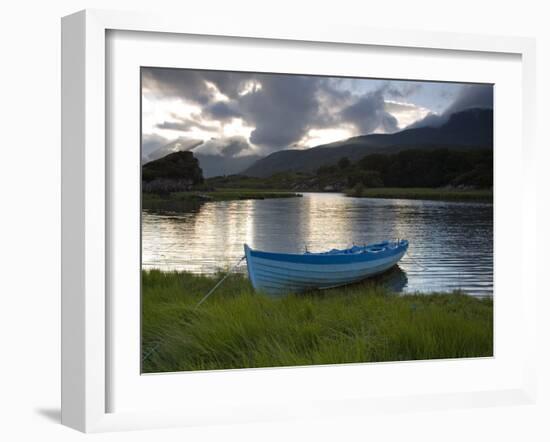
411, 168
174, 172
472, 128
218, 165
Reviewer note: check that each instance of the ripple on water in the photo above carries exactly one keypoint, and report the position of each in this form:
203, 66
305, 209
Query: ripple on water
451, 244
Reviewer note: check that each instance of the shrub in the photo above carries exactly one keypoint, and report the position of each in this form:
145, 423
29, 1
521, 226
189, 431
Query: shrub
358, 190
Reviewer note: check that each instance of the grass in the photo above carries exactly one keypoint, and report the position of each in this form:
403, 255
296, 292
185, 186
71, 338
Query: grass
481, 195
238, 328
185, 201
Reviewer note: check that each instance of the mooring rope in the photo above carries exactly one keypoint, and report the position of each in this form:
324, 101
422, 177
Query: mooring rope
422, 267
219, 282
212, 290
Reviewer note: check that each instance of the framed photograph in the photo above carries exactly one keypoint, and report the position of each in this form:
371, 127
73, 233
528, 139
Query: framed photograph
264, 223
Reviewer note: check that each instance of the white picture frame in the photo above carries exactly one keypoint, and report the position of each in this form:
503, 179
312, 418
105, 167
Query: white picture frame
86, 207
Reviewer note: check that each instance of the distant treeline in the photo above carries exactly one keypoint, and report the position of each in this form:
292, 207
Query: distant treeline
417, 168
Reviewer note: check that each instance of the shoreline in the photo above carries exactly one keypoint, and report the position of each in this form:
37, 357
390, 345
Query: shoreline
425, 193
365, 322
188, 201
191, 200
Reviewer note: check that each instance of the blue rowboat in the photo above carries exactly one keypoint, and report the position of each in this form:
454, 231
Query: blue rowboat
278, 273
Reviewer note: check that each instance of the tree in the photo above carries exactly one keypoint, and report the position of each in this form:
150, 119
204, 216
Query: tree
368, 178
358, 190
375, 161
326, 170
344, 163
372, 178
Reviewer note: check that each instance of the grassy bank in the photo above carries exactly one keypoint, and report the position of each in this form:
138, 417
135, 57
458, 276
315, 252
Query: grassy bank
423, 193
237, 328
183, 201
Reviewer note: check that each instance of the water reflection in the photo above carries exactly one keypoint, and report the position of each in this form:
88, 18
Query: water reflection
451, 243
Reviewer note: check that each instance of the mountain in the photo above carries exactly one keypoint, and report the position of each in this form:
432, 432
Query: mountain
470, 128
219, 165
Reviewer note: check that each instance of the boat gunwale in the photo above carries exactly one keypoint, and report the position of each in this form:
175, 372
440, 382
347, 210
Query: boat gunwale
327, 258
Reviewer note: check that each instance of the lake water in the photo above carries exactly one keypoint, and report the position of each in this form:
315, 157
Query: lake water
451, 244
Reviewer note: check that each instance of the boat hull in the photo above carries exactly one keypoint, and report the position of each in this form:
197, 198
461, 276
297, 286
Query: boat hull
276, 273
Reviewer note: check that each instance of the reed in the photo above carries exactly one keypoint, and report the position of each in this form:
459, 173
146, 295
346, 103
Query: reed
366, 322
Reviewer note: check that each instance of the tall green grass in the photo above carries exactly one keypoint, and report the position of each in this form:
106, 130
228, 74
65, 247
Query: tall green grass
238, 328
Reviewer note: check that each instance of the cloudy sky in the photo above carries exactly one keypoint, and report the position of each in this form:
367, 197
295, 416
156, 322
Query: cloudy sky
237, 114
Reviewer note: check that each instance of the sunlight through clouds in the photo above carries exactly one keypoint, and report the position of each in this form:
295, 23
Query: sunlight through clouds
250, 87
256, 114
237, 128
405, 113
316, 137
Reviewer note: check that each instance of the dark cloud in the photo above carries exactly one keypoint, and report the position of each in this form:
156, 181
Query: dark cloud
228, 147
401, 89
187, 84
184, 125
222, 111
332, 98
469, 96
282, 111
193, 85
388, 122
472, 95
283, 108
228, 83
236, 146
368, 114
